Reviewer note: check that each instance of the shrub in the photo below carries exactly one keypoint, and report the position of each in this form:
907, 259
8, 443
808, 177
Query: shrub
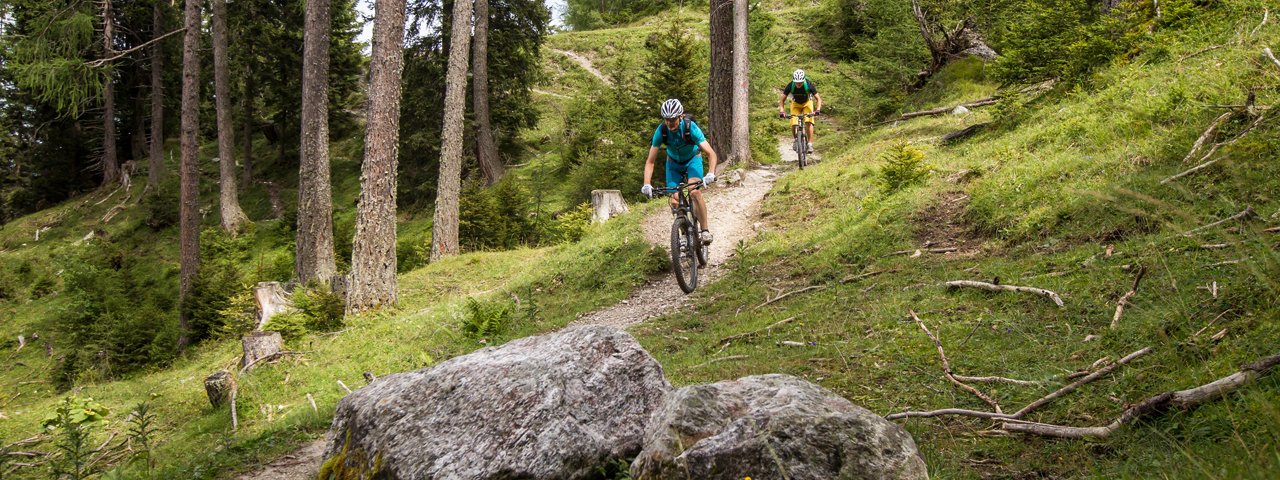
496, 217
162, 206
904, 166
1068, 39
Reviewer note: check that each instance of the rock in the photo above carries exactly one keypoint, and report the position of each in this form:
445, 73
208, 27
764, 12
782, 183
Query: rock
763, 426
557, 406
732, 177
960, 110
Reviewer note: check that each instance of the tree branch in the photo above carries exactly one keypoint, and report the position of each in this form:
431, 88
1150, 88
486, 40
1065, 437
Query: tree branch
1006, 288
1124, 300
946, 366
103, 61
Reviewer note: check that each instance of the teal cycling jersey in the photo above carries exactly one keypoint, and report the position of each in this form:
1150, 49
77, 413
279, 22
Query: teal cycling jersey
678, 150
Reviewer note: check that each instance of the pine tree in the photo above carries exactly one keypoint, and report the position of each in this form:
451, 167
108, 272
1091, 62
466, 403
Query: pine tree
189, 197
486, 148
718, 126
444, 232
373, 256
233, 218
155, 157
315, 256
741, 138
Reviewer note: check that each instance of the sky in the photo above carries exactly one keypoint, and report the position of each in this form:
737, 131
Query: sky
365, 7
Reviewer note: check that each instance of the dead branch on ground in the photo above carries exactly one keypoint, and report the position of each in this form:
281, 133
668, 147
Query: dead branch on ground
1182, 399
788, 294
861, 276
739, 336
1208, 133
1124, 299
1006, 288
1246, 213
1205, 162
917, 251
721, 359
946, 366
1272, 56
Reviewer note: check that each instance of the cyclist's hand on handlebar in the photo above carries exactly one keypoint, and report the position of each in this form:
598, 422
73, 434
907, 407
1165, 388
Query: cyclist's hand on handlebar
817, 112
647, 190
710, 177
782, 114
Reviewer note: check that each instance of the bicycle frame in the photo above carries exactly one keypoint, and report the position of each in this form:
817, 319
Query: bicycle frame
686, 241
801, 137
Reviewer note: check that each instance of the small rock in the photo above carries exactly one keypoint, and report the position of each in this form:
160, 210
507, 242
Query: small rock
960, 110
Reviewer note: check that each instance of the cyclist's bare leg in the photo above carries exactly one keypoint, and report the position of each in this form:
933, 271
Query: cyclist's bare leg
699, 206
675, 201
809, 129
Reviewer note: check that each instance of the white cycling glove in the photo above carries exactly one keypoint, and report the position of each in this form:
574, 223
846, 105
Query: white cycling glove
708, 178
647, 190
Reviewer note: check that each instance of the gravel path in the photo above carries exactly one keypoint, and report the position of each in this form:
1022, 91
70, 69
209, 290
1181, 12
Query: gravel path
586, 64
733, 210
733, 205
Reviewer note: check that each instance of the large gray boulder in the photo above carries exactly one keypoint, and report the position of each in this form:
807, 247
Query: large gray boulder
772, 426
557, 406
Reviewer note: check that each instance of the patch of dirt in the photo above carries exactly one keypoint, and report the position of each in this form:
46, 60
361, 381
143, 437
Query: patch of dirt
586, 64
303, 463
733, 211
942, 225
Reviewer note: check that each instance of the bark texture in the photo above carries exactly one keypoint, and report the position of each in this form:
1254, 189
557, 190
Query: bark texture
110, 158
444, 233
373, 256
315, 257
741, 150
486, 147
719, 127
189, 196
233, 218
218, 386
606, 204
155, 159
258, 346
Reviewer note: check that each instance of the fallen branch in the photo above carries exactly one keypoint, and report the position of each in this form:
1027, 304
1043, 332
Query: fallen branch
1272, 56
269, 358
731, 338
1208, 133
861, 276
344, 386
918, 251
721, 359
1246, 213
1074, 385
312, 400
788, 294
1182, 399
1006, 288
1011, 381
1124, 299
235, 419
975, 103
1266, 14
1200, 51
946, 366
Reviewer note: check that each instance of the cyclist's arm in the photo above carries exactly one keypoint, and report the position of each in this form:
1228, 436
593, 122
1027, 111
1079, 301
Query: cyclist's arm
782, 102
648, 165
711, 155
817, 99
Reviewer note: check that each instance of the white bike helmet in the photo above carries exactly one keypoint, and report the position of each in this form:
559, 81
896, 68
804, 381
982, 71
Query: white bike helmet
797, 76
672, 108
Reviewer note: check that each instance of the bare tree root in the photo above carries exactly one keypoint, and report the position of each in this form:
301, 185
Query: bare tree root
1124, 300
946, 366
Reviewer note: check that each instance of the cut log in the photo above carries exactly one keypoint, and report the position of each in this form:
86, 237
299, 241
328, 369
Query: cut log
272, 300
963, 134
260, 345
219, 386
606, 204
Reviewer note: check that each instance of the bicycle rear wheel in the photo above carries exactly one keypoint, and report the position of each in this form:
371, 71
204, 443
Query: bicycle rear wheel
802, 148
684, 262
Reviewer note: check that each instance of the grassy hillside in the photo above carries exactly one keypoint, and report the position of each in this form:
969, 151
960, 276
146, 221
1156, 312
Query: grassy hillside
1062, 192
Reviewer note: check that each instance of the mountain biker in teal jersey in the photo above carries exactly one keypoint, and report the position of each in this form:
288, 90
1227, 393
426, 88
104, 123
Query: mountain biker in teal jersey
804, 99
684, 141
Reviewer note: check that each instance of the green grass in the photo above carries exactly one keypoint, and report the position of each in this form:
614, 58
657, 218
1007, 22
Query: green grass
1078, 170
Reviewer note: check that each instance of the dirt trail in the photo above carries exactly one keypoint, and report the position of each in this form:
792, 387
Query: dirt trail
303, 463
733, 210
586, 64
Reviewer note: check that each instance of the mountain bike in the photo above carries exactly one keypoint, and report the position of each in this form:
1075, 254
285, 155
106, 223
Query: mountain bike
687, 251
801, 143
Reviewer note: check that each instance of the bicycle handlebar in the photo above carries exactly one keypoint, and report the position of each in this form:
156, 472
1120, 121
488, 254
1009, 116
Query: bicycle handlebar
800, 115
690, 185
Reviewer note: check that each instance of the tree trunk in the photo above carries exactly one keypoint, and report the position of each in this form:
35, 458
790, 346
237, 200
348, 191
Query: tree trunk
218, 386
315, 257
373, 253
189, 209
138, 140
741, 151
110, 159
246, 155
486, 147
272, 300
720, 83
258, 346
444, 233
233, 218
155, 168
606, 204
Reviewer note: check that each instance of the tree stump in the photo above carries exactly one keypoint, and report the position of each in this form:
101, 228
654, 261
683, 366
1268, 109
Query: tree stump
258, 346
606, 204
219, 386
272, 300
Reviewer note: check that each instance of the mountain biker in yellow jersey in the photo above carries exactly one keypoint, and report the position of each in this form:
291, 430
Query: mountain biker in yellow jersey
683, 140
804, 99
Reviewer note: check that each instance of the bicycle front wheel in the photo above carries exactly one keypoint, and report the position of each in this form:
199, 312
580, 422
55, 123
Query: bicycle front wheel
802, 149
684, 262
